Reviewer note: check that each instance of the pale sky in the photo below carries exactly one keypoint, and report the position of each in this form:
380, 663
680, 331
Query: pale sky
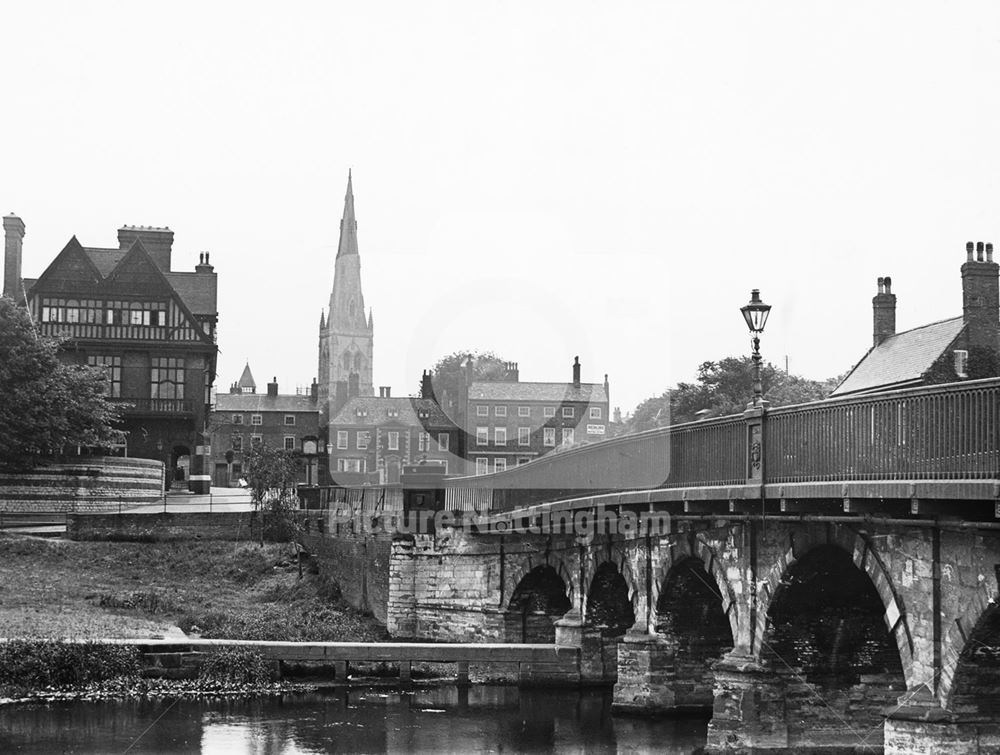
542, 179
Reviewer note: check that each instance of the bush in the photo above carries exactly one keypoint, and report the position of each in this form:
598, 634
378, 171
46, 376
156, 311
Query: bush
234, 666
31, 665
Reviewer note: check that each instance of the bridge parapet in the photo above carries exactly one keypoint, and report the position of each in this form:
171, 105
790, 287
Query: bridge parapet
944, 432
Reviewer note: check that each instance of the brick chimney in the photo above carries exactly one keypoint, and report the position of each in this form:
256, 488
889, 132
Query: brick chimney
157, 242
512, 373
314, 390
385, 391
426, 386
272, 387
981, 296
13, 231
340, 397
353, 385
576, 372
884, 311
203, 265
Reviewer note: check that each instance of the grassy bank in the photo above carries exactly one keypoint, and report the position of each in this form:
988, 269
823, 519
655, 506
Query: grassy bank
52, 589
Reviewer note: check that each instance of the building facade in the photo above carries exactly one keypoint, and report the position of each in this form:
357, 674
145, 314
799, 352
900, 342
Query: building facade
510, 423
958, 348
372, 438
346, 333
152, 329
244, 418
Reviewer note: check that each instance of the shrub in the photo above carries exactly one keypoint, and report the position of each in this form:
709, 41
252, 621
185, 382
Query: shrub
31, 665
236, 665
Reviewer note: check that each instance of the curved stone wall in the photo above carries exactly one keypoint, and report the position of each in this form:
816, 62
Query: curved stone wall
90, 483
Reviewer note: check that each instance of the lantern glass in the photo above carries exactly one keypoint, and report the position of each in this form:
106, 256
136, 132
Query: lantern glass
755, 313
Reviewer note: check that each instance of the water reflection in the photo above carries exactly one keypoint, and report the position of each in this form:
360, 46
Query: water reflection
370, 720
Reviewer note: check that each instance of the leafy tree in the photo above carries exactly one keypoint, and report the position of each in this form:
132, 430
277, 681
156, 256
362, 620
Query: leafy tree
271, 475
45, 404
725, 387
449, 372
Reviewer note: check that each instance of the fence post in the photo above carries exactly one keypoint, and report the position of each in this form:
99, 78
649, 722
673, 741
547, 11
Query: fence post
756, 422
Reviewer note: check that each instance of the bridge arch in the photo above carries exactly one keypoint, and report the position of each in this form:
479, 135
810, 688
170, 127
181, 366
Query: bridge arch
977, 628
618, 556
539, 599
826, 636
610, 600
865, 558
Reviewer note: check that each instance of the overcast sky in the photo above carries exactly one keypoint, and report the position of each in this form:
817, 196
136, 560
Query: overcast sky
542, 179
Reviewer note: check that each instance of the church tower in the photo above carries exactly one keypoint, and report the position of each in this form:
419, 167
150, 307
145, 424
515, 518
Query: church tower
345, 332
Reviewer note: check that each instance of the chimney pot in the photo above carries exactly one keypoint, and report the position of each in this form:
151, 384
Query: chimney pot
881, 285
968, 250
989, 251
888, 284
979, 251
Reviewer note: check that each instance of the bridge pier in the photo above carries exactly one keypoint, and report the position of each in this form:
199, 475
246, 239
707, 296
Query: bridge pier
749, 713
646, 674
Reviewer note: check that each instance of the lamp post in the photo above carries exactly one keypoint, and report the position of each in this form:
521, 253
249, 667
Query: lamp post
755, 313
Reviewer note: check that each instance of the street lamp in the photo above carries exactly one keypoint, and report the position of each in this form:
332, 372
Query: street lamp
755, 313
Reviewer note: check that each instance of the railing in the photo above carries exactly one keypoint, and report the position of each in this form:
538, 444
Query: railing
939, 432
155, 405
100, 331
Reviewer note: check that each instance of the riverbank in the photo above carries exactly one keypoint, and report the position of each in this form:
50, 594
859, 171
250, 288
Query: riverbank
78, 590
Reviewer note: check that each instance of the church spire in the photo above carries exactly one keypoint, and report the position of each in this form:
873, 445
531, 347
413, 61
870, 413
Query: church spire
348, 225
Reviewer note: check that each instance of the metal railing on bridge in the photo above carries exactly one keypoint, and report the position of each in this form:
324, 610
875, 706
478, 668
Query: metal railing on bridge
928, 433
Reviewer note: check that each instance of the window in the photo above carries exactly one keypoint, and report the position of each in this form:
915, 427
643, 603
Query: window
350, 465
482, 466
595, 412
341, 439
499, 465
256, 419
550, 411
524, 436
289, 442
394, 441
237, 419
500, 436
289, 419
567, 436
549, 436
500, 411
423, 441
256, 441
482, 411
524, 411
167, 377
568, 411
523, 460
112, 373
482, 436
364, 436
237, 442
444, 440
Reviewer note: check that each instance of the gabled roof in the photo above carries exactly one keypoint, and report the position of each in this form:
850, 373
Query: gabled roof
105, 260
902, 359
377, 412
261, 402
551, 392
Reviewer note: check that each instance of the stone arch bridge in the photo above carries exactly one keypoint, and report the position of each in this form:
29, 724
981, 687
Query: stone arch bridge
820, 576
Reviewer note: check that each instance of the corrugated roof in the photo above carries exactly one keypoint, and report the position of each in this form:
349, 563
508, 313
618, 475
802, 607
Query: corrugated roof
552, 392
377, 409
902, 358
261, 402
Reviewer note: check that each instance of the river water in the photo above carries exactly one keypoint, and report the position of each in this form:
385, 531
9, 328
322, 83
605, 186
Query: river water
436, 719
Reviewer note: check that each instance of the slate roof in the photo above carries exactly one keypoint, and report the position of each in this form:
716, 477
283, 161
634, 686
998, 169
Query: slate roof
377, 409
246, 379
199, 291
261, 402
902, 359
551, 392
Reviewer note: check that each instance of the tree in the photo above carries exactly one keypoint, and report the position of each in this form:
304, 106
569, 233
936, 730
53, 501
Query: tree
449, 372
45, 404
725, 387
271, 476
